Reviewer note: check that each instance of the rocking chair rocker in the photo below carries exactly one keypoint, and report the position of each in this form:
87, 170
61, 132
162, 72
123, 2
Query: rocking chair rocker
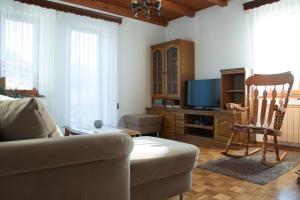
258, 122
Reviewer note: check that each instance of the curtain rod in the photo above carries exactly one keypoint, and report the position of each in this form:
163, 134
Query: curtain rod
72, 9
257, 3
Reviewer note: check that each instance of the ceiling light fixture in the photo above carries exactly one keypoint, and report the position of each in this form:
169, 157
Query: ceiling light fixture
147, 8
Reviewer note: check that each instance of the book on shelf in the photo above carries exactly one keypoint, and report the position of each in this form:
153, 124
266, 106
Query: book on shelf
158, 103
169, 103
157, 106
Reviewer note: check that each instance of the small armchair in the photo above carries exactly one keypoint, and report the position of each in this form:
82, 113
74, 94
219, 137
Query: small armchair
264, 113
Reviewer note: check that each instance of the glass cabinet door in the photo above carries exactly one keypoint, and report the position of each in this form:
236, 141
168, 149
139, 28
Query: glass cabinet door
157, 72
172, 71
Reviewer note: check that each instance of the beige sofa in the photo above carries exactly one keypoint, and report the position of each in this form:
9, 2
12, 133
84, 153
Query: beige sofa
85, 167
91, 167
95, 167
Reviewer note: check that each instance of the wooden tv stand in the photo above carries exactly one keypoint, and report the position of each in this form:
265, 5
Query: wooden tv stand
207, 125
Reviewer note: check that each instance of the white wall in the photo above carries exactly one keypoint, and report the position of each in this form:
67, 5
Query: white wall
135, 38
220, 36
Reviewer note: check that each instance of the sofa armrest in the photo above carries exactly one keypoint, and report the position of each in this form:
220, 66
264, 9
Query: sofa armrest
39, 154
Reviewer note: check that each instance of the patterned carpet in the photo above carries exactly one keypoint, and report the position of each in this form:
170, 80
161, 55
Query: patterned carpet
251, 169
208, 185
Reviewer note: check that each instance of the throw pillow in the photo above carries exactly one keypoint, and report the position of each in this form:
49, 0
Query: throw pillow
25, 119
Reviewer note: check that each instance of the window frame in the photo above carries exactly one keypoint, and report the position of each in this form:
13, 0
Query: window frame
35, 40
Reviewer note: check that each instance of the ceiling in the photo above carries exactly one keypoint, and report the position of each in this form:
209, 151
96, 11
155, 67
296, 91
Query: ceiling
171, 9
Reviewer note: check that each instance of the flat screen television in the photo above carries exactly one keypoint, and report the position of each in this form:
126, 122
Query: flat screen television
203, 93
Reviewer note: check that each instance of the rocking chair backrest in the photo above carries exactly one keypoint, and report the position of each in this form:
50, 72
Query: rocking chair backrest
273, 91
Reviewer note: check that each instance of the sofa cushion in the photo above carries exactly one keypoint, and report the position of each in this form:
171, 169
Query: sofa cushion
144, 120
57, 133
155, 158
25, 119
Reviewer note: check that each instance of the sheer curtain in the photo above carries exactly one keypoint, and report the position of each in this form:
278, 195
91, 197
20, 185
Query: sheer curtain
19, 28
70, 59
275, 35
90, 89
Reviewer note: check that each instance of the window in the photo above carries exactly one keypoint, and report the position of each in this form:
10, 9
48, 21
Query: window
276, 41
69, 59
17, 54
84, 73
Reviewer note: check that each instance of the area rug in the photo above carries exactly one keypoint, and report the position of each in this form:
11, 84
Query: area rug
250, 168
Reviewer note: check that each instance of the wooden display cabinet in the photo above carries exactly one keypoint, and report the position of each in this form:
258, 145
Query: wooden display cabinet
180, 123
157, 72
233, 87
201, 129
173, 63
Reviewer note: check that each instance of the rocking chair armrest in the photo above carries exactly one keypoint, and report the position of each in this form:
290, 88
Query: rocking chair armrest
237, 107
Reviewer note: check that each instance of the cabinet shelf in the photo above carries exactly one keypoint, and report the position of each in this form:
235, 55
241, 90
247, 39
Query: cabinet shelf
235, 91
199, 126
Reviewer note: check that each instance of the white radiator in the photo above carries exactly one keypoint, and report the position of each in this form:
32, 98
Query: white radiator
291, 125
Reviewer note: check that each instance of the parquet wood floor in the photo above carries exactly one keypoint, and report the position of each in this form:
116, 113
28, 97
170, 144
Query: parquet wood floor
211, 186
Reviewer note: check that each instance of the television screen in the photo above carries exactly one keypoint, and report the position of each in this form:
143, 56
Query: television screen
204, 93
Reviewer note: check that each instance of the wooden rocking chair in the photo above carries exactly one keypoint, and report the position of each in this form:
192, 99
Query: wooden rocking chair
263, 122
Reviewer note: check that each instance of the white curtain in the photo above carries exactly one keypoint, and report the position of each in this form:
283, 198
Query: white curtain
19, 45
275, 36
70, 59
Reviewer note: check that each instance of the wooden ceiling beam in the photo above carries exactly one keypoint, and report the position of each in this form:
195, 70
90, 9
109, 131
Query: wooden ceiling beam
72, 9
176, 8
257, 3
222, 3
99, 5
